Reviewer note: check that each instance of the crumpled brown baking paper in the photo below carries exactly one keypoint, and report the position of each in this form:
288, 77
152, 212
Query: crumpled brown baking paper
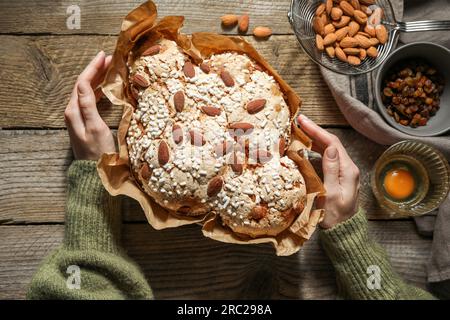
139, 31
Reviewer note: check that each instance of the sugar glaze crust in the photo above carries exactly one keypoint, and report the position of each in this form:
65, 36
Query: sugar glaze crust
185, 153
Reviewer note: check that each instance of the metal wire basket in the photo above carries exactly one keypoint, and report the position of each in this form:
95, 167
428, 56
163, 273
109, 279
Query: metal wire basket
301, 15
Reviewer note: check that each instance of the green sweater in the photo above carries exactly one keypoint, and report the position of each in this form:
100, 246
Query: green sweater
91, 243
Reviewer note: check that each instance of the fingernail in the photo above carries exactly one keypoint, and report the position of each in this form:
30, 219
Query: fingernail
301, 118
331, 153
99, 54
304, 118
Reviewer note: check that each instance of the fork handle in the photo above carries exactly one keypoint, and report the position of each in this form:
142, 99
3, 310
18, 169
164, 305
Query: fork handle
426, 25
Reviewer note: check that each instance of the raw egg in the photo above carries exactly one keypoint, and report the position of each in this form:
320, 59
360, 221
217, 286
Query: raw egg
399, 183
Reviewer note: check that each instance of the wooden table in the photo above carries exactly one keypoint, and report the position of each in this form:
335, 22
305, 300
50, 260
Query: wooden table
41, 59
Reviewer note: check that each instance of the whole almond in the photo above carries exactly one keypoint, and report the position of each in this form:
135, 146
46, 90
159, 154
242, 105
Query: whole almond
368, 2
318, 25
258, 212
261, 156
353, 28
223, 149
177, 134
241, 126
152, 50
362, 54
205, 67
340, 54
355, 4
184, 210
227, 78
328, 6
330, 51
145, 171
163, 153
256, 106
257, 67
178, 101
188, 69
237, 165
366, 9
363, 41
214, 186
197, 138
229, 20
262, 32
352, 51
140, 81
342, 22
282, 145
319, 42
244, 22
349, 42
211, 111
374, 42
336, 13
324, 19
329, 39
382, 34
360, 17
372, 52
370, 30
353, 60
329, 28
347, 8
362, 33
320, 9
135, 93
341, 33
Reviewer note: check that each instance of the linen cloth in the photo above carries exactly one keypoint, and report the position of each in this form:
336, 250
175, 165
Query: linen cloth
354, 96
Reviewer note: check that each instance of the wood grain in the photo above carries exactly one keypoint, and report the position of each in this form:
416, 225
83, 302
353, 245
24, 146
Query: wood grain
105, 17
214, 270
37, 75
33, 165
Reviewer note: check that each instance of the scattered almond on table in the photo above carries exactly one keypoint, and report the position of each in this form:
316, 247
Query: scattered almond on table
243, 23
229, 20
349, 30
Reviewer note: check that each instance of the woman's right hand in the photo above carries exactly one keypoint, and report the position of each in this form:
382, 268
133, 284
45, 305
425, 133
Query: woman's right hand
341, 175
90, 137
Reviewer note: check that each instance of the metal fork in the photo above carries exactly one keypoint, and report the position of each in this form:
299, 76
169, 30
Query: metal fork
426, 25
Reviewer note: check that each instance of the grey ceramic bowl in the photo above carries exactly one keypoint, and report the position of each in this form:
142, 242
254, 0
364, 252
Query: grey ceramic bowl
437, 56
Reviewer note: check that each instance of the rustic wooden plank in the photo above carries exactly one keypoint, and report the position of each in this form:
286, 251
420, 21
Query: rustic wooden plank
33, 165
215, 270
41, 71
105, 17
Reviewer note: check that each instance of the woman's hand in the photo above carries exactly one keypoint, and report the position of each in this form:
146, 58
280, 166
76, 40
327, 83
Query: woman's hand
341, 175
89, 135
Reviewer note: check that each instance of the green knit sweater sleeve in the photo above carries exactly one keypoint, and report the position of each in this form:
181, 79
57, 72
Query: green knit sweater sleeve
363, 270
89, 264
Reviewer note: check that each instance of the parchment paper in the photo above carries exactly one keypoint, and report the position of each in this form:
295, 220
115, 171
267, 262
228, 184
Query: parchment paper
141, 30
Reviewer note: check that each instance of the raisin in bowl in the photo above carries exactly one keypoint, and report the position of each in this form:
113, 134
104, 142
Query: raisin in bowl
412, 89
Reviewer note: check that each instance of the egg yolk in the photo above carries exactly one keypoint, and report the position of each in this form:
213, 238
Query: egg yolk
399, 183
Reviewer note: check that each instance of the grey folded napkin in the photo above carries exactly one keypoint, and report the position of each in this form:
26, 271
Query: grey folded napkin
354, 97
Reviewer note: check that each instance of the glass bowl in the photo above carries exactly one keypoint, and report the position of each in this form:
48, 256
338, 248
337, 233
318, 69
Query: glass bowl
431, 173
